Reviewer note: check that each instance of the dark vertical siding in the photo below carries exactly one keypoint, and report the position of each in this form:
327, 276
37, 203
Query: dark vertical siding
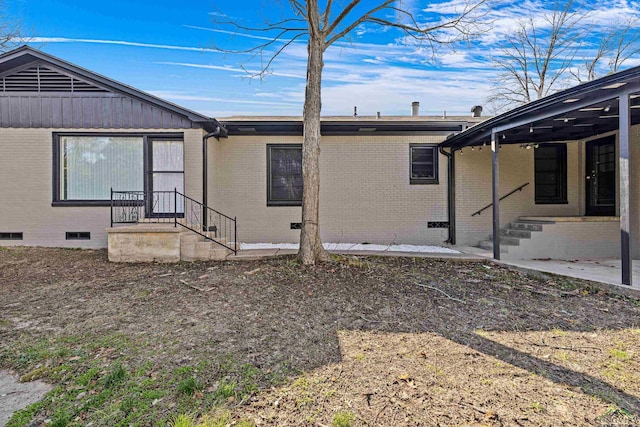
86, 110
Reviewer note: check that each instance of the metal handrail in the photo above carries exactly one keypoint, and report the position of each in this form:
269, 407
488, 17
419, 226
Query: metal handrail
501, 198
205, 222
173, 207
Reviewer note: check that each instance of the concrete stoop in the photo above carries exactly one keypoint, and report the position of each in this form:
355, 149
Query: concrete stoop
163, 243
516, 233
562, 238
194, 247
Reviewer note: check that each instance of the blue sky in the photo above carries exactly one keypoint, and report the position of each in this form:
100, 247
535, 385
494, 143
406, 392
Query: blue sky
165, 48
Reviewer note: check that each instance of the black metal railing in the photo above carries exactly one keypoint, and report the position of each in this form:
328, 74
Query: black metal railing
173, 207
501, 198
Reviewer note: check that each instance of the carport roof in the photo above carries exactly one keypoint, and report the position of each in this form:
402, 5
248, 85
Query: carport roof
576, 113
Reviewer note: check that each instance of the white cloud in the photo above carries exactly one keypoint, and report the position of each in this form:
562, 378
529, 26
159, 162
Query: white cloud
119, 42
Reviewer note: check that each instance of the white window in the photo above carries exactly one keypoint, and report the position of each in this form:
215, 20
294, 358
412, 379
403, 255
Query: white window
91, 165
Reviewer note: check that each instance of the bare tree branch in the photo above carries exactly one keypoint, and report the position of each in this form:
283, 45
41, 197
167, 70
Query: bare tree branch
537, 56
10, 30
324, 28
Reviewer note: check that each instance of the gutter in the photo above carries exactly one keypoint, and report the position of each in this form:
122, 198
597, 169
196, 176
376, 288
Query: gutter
451, 194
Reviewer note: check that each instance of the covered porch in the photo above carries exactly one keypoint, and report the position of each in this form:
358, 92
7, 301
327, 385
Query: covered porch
563, 163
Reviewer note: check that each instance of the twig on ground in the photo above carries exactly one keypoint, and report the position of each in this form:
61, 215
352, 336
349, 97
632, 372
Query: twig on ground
197, 288
379, 412
557, 347
472, 407
376, 321
441, 291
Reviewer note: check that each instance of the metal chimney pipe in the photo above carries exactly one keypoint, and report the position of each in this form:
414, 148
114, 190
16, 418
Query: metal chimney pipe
415, 108
355, 111
476, 111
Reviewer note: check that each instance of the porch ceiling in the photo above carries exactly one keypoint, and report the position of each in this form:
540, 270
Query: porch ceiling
577, 113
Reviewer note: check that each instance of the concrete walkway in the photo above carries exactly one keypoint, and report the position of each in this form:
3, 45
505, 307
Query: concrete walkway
256, 254
15, 395
607, 271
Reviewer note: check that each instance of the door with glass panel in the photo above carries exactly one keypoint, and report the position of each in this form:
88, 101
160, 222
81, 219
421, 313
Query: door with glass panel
165, 176
601, 177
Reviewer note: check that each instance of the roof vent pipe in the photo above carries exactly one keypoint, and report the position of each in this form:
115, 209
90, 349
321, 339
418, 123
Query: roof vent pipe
415, 108
476, 111
355, 111
378, 116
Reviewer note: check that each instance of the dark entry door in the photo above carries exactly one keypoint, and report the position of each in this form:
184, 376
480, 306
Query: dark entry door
601, 177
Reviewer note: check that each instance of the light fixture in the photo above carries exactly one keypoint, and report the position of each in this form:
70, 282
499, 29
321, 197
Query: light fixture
536, 145
614, 85
607, 108
461, 152
504, 136
531, 129
472, 148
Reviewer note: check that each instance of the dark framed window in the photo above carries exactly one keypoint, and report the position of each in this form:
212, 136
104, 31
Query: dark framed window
11, 236
551, 174
86, 166
424, 164
284, 175
78, 235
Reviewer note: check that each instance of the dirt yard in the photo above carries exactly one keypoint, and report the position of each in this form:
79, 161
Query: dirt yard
358, 342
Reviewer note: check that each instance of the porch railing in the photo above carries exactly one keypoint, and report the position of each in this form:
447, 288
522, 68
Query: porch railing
173, 207
501, 198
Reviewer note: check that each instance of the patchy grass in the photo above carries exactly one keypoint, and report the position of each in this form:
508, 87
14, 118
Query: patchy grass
360, 341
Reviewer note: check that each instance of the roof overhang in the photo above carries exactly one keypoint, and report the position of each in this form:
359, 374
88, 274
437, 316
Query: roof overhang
343, 127
573, 114
25, 54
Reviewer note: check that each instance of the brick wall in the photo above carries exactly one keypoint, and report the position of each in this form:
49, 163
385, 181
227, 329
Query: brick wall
365, 191
26, 189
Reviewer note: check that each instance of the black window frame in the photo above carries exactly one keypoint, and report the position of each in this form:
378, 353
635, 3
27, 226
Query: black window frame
147, 140
560, 198
11, 235
428, 180
77, 235
270, 200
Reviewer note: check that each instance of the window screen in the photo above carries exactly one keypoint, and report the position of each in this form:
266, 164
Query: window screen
424, 164
284, 175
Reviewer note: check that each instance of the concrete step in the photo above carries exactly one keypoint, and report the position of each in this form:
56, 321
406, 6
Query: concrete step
523, 225
488, 245
507, 240
514, 232
194, 247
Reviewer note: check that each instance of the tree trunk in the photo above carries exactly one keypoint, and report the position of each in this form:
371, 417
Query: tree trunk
311, 249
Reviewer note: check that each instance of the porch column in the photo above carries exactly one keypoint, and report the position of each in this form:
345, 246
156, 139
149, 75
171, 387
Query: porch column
625, 176
495, 180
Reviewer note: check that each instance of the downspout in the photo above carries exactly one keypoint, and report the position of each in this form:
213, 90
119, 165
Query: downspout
451, 194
